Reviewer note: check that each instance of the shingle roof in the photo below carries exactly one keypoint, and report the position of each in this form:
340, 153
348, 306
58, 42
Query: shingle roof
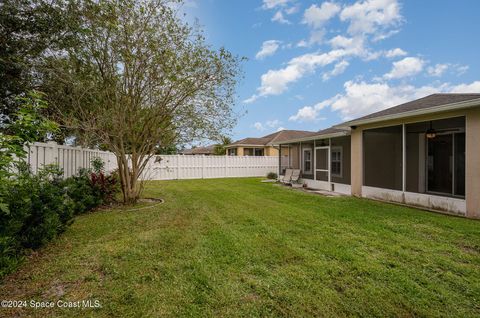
199, 150
421, 103
321, 134
330, 130
275, 137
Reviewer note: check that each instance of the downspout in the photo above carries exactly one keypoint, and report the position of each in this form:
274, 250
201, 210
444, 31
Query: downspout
279, 160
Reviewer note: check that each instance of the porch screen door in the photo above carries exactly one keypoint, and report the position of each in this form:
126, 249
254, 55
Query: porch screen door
322, 163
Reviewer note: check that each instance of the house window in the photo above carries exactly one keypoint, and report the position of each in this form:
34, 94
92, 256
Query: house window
232, 151
248, 151
336, 161
258, 151
307, 161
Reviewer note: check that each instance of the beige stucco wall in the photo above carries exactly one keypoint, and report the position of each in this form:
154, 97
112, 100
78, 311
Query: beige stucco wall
472, 156
268, 150
472, 173
357, 161
271, 151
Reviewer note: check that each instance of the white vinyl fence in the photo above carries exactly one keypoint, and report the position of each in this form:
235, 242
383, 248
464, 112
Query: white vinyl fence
203, 167
69, 159
162, 167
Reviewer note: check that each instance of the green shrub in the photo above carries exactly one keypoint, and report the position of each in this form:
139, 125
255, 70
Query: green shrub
37, 208
84, 196
272, 175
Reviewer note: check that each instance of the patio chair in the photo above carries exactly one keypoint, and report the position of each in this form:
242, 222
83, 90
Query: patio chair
295, 176
287, 176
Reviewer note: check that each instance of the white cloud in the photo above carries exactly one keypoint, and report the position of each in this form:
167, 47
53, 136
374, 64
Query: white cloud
269, 124
258, 126
354, 45
292, 10
273, 123
409, 66
307, 113
317, 16
275, 82
302, 43
461, 69
395, 53
316, 37
278, 17
338, 69
268, 48
251, 99
437, 70
362, 98
280, 128
473, 87
371, 16
310, 113
271, 4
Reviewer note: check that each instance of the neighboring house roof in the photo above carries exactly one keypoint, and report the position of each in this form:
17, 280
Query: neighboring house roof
272, 139
429, 104
321, 134
208, 150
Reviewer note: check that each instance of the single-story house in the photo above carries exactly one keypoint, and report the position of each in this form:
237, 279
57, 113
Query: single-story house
422, 153
196, 151
264, 146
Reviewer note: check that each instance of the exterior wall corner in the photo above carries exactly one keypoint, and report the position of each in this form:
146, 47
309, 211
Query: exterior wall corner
472, 157
357, 162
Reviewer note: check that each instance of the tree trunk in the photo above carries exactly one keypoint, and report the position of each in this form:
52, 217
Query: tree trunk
128, 179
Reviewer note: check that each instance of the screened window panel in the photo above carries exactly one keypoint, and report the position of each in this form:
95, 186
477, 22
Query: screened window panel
322, 159
383, 157
459, 164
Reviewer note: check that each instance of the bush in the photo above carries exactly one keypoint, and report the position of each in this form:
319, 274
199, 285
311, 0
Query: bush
272, 175
37, 208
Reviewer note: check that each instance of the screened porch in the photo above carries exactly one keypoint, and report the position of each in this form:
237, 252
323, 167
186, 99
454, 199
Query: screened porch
323, 163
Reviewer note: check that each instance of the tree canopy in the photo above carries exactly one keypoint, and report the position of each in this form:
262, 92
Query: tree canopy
29, 30
139, 78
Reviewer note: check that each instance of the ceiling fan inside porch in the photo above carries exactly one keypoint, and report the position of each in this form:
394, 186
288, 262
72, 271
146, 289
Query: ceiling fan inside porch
431, 132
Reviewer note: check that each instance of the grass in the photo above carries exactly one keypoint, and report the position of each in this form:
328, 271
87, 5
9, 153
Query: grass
238, 247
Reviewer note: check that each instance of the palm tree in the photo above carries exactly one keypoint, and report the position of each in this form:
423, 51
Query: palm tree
220, 149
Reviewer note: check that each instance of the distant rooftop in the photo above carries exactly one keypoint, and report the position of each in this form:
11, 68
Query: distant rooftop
274, 138
208, 150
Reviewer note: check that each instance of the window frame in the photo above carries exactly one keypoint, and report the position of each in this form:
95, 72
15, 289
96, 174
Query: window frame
338, 149
303, 161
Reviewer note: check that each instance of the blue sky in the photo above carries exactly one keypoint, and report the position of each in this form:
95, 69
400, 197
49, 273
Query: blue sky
312, 64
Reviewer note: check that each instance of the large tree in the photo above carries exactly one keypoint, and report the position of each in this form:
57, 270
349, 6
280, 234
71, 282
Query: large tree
138, 79
29, 30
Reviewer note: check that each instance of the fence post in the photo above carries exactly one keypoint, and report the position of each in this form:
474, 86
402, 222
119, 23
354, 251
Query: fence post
203, 166
177, 166
226, 169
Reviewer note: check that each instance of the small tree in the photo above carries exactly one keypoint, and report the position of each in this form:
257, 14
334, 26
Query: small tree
140, 79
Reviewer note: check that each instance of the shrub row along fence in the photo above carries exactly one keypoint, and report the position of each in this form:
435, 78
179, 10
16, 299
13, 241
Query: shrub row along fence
163, 167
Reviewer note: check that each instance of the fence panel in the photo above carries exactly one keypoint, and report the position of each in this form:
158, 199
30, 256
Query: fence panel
168, 167
69, 159
163, 167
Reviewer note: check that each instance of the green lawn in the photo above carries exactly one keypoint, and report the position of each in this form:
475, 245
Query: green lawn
238, 247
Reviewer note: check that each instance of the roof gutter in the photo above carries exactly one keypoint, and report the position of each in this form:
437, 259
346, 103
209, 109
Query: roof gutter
315, 137
412, 113
244, 145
